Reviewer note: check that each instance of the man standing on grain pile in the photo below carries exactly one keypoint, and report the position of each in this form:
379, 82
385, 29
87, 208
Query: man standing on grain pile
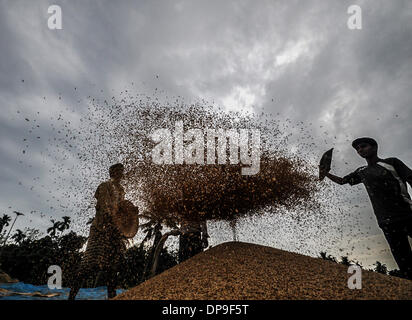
385, 181
106, 245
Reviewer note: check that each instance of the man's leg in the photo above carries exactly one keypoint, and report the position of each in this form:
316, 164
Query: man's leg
196, 244
190, 244
98, 279
111, 271
111, 289
183, 248
82, 275
111, 282
74, 291
401, 250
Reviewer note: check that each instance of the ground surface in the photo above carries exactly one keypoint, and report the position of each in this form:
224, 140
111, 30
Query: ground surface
237, 270
25, 291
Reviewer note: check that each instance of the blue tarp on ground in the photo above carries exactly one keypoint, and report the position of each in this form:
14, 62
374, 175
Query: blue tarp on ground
99, 293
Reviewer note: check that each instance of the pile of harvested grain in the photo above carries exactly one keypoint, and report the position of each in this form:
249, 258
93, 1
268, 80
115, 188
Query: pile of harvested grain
238, 270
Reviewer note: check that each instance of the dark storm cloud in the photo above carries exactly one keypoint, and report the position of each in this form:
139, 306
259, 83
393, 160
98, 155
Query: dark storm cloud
295, 58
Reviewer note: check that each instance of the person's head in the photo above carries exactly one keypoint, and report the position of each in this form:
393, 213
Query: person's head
116, 171
366, 147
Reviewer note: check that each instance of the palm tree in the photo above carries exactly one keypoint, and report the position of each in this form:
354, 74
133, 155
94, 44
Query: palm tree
4, 222
159, 248
396, 273
65, 224
329, 257
148, 228
19, 236
52, 230
154, 231
345, 261
380, 268
17, 215
151, 228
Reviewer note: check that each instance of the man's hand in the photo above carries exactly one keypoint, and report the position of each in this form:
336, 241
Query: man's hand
323, 172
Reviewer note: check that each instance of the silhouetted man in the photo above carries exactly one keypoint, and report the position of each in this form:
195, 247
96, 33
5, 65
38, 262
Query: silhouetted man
106, 245
385, 181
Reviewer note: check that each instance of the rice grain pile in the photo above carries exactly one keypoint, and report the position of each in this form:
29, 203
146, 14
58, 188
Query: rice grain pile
240, 271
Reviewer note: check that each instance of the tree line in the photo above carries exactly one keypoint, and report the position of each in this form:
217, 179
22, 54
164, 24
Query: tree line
27, 255
378, 266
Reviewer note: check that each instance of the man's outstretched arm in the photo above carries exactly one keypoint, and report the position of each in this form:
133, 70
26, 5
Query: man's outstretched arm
352, 178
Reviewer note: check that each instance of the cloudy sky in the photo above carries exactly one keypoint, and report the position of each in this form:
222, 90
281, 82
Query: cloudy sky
297, 59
